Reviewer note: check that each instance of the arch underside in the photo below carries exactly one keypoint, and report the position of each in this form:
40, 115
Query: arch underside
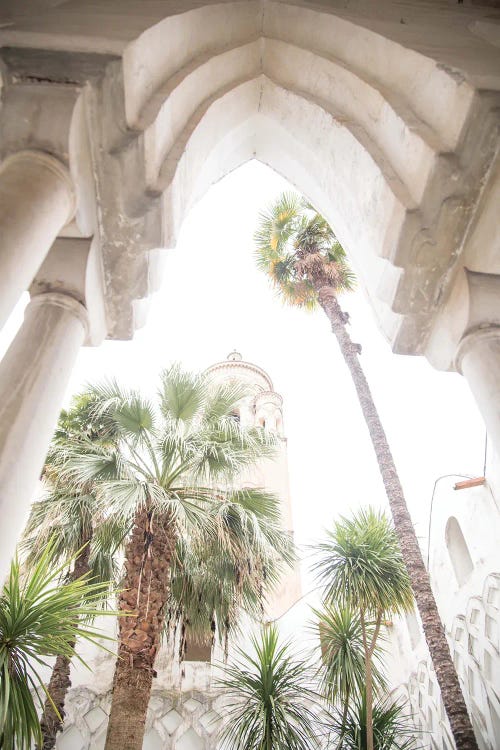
386, 131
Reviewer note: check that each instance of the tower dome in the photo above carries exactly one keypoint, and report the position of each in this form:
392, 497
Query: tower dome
235, 367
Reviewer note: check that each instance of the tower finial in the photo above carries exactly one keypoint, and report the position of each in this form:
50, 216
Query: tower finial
234, 356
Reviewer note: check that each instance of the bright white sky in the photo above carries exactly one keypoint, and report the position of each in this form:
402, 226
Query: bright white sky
213, 300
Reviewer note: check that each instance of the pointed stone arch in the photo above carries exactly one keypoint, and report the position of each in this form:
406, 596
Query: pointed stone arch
366, 120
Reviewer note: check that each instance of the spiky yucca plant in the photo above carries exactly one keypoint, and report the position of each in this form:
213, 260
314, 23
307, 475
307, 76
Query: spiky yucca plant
361, 567
392, 728
39, 619
269, 701
342, 673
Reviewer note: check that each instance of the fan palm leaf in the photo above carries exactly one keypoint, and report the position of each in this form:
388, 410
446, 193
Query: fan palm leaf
169, 474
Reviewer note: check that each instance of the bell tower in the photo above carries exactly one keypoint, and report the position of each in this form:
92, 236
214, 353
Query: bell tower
263, 407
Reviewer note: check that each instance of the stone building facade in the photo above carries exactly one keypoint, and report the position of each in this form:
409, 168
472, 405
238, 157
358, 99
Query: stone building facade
464, 565
116, 117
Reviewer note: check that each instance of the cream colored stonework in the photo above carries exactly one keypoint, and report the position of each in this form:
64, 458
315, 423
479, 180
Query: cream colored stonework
115, 117
464, 566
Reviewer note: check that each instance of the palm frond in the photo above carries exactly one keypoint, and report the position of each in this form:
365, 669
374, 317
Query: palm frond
269, 701
298, 250
39, 619
342, 673
135, 417
392, 726
360, 564
182, 394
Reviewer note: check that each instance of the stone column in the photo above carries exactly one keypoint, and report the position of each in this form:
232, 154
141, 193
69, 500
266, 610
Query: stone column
478, 359
33, 377
36, 201
478, 351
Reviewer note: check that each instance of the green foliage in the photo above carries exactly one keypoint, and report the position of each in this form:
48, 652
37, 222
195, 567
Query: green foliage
39, 619
173, 456
361, 566
270, 703
290, 232
391, 727
66, 517
342, 675
227, 565
181, 456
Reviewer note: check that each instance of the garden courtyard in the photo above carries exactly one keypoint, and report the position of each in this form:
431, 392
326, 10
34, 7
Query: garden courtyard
249, 469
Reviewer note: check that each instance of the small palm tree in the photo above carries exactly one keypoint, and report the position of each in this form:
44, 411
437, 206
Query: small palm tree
361, 566
39, 619
343, 670
71, 522
391, 727
68, 523
167, 474
305, 262
270, 704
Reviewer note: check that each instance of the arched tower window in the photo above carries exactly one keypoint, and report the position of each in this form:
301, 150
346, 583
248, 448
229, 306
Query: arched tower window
458, 551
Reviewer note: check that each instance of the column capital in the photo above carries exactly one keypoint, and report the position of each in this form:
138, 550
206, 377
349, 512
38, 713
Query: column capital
52, 164
483, 313
472, 338
64, 301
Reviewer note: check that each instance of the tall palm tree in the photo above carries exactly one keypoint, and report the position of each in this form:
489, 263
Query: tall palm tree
361, 566
71, 522
39, 619
343, 671
299, 251
269, 702
167, 474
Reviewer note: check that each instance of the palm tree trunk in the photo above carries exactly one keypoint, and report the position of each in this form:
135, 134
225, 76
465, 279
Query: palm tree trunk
52, 718
369, 649
369, 702
451, 693
343, 725
145, 592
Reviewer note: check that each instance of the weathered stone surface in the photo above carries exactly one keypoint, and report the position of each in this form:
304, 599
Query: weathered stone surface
190, 741
152, 740
71, 739
95, 718
171, 721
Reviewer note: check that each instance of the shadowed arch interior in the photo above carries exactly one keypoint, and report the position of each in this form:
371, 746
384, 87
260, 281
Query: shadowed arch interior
458, 550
